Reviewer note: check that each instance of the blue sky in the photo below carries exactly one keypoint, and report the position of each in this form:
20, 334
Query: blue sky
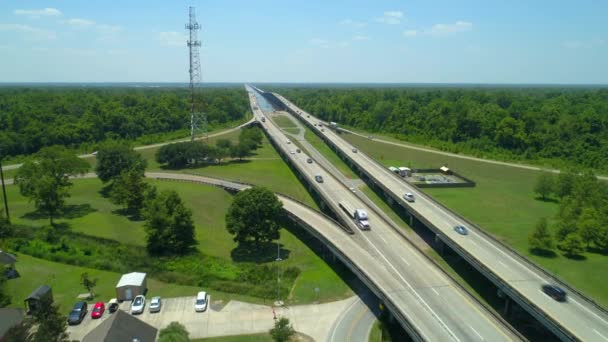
431, 41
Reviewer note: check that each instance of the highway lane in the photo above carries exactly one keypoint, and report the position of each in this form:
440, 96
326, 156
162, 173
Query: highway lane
353, 325
417, 288
578, 316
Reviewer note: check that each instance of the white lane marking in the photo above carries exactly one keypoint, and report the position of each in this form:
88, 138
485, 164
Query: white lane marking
412, 289
502, 263
602, 336
473, 242
582, 306
405, 261
437, 293
475, 331
382, 238
337, 323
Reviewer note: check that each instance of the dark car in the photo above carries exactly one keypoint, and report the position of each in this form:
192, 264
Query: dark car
461, 230
77, 314
555, 292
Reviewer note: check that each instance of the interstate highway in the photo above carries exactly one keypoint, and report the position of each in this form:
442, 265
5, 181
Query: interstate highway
426, 297
580, 318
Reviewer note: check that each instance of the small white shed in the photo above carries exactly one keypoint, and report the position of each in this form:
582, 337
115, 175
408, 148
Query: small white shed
131, 285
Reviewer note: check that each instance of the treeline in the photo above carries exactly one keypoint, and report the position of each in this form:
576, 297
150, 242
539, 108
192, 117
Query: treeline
560, 126
583, 210
32, 118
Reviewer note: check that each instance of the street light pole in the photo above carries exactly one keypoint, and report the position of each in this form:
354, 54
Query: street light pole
278, 302
8, 219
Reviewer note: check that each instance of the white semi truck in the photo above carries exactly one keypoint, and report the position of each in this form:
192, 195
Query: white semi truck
359, 215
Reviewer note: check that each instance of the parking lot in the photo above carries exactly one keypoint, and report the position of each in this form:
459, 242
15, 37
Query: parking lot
235, 318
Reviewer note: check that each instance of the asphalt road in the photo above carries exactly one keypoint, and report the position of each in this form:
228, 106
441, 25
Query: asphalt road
429, 299
579, 316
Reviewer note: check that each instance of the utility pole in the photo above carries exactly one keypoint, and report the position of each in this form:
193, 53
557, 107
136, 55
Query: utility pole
278, 302
8, 218
198, 119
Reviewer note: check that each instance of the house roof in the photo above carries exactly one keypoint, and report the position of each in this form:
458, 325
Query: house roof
132, 279
6, 258
39, 292
8, 318
122, 327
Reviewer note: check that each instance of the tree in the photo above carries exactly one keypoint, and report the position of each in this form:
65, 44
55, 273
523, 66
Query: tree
282, 331
589, 225
254, 214
544, 185
169, 225
601, 240
19, 332
129, 189
174, 332
572, 245
88, 283
51, 324
564, 184
541, 239
240, 150
46, 178
114, 158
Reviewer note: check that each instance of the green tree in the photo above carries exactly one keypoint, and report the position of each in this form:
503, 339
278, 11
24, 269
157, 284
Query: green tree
564, 184
169, 225
88, 283
174, 332
544, 185
114, 158
572, 245
240, 151
254, 215
51, 324
540, 239
589, 225
129, 189
282, 331
4, 298
601, 240
46, 179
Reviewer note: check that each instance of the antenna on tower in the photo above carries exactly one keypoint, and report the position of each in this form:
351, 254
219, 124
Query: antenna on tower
198, 119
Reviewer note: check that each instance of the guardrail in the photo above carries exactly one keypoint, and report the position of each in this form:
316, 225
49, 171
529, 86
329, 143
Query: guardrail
520, 298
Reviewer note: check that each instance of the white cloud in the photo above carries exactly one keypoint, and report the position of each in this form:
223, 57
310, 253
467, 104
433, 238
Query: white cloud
410, 33
583, 44
361, 38
354, 23
391, 17
28, 31
172, 38
78, 22
446, 29
37, 13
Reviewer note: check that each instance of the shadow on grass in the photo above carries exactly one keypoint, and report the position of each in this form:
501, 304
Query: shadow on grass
258, 253
543, 253
204, 165
134, 217
71, 211
575, 257
596, 250
546, 199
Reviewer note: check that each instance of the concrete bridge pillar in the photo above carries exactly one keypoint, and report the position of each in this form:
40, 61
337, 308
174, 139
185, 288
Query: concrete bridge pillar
389, 199
411, 219
507, 308
440, 244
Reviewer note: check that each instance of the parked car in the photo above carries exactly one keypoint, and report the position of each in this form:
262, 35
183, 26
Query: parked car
113, 305
555, 292
98, 309
319, 179
138, 305
409, 197
77, 314
201, 302
155, 304
309, 160
461, 230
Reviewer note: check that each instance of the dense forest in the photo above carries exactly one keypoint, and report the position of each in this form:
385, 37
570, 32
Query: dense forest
562, 127
32, 118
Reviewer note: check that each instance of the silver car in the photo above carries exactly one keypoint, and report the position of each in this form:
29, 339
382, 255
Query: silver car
138, 305
155, 304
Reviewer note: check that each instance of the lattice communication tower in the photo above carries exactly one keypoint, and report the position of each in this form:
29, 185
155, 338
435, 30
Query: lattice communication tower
198, 119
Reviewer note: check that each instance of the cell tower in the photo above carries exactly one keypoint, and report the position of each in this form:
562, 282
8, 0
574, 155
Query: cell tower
198, 119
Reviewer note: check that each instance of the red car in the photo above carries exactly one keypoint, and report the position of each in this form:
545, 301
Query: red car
98, 310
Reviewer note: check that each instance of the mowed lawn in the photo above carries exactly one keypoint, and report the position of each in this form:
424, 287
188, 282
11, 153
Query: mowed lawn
503, 203
209, 206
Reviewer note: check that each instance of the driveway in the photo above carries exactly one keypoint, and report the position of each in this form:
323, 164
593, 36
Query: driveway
235, 318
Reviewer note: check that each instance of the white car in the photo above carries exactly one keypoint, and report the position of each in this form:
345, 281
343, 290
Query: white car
200, 304
138, 305
409, 197
155, 304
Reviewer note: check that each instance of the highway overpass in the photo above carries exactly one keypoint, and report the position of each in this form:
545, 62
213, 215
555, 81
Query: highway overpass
427, 303
577, 319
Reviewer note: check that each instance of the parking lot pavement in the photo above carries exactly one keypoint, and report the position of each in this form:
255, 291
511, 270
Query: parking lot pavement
235, 318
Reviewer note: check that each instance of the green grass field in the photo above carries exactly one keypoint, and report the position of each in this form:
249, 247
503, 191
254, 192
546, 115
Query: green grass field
330, 155
96, 216
502, 203
283, 121
238, 338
